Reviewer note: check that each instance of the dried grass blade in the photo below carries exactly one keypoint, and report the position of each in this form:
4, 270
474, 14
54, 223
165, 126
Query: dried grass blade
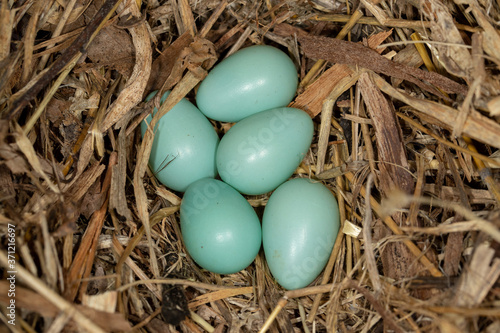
371, 264
220, 294
6, 17
27, 149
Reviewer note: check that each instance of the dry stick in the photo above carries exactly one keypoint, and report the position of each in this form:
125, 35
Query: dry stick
182, 282
371, 264
391, 23
460, 120
419, 187
317, 66
236, 46
366, 137
28, 150
302, 313
389, 222
29, 41
389, 13
40, 287
484, 172
281, 304
74, 50
467, 311
219, 294
200, 321
145, 321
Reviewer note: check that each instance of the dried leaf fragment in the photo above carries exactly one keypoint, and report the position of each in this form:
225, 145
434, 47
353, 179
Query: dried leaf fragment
113, 47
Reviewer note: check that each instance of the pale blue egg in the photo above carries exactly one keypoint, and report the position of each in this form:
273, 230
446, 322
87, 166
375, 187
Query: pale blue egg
221, 231
262, 151
184, 146
299, 228
253, 79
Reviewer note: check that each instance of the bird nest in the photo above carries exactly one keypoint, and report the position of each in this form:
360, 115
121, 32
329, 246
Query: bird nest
404, 96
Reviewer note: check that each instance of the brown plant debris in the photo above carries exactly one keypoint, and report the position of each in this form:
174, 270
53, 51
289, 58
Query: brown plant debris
405, 100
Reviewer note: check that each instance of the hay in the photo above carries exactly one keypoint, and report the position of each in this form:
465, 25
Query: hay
405, 98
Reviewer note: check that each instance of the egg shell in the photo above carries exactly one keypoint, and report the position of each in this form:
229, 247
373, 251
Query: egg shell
260, 152
251, 80
221, 231
184, 146
299, 228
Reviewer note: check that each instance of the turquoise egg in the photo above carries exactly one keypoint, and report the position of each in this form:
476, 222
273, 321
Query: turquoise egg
184, 145
262, 151
299, 227
221, 231
251, 80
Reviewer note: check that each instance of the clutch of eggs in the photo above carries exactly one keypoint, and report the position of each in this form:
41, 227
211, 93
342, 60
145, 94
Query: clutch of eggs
221, 231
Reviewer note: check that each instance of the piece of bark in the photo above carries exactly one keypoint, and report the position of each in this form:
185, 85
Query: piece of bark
349, 53
398, 262
389, 138
453, 253
408, 56
311, 100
